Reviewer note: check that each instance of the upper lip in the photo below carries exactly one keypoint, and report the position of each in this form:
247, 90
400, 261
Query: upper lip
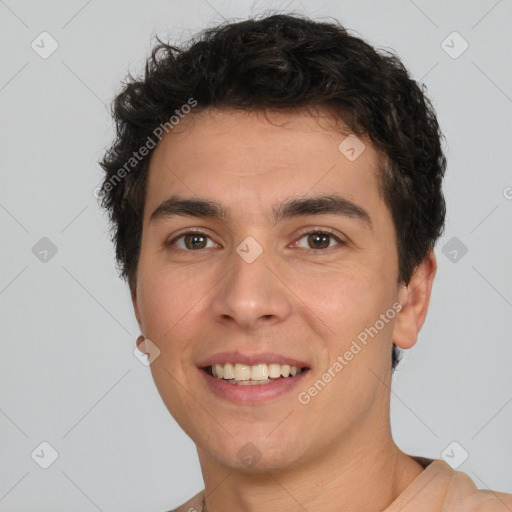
251, 359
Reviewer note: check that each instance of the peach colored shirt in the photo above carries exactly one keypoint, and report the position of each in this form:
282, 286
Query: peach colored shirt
438, 488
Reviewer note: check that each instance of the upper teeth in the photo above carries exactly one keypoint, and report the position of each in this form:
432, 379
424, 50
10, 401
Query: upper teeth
240, 371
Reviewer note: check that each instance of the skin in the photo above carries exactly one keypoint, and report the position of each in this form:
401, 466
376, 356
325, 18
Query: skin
336, 452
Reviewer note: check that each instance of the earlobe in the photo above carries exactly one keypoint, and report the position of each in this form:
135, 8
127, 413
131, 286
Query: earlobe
140, 343
414, 298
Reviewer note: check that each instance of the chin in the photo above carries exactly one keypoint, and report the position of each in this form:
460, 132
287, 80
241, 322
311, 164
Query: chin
256, 453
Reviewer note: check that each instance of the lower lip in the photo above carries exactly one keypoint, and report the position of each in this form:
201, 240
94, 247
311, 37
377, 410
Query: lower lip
252, 394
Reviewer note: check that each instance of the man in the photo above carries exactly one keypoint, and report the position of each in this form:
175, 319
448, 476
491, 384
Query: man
275, 193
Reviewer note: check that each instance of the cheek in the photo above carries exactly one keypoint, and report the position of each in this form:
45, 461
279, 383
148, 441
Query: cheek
350, 302
170, 304
344, 298
167, 301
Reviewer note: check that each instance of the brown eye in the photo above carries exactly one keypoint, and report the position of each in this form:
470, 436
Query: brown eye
318, 241
195, 241
192, 241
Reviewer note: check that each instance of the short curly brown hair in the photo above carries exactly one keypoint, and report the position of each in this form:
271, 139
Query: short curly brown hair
282, 62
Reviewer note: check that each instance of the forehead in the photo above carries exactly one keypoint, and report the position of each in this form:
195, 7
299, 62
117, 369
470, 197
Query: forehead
249, 160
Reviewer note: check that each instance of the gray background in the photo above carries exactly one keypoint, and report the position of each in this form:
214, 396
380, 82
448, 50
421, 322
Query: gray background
68, 373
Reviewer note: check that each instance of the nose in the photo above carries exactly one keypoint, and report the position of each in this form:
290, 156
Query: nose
252, 293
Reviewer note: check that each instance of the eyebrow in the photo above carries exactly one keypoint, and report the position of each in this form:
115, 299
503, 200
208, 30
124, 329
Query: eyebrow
295, 207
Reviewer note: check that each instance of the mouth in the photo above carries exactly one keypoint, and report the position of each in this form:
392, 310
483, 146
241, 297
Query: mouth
251, 375
258, 383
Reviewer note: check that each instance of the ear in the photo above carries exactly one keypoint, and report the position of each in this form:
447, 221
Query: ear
414, 298
133, 292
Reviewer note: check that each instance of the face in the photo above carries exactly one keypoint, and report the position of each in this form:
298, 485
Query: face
295, 264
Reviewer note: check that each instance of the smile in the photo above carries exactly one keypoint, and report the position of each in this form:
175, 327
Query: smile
243, 374
252, 384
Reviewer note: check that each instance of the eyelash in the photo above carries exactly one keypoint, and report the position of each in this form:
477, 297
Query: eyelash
340, 242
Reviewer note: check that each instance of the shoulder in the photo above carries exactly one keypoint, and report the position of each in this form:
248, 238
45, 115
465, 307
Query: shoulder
463, 493
194, 504
440, 488
490, 501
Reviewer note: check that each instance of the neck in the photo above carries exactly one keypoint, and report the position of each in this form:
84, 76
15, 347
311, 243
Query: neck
364, 472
